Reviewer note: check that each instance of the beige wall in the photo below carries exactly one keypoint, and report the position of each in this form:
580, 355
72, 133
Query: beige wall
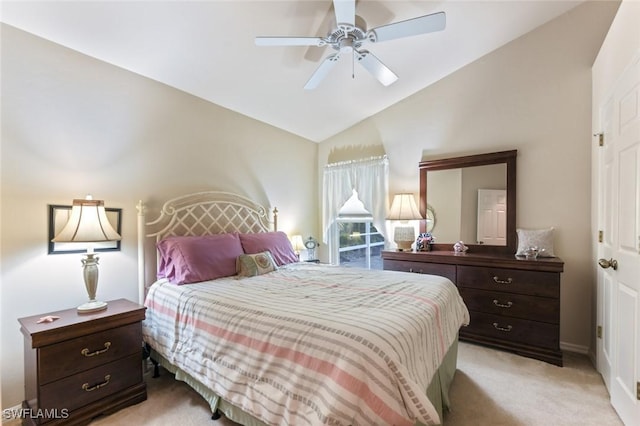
72, 125
620, 47
533, 95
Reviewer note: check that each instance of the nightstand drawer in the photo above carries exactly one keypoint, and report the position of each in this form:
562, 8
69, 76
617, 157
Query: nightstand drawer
545, 284
512, 305
84, 353
89, 386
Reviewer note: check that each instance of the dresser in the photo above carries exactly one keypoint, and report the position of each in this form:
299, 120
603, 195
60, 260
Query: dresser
514, 304
80, 366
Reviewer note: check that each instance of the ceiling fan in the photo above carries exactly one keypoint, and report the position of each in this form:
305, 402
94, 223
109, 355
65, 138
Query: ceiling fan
351, 34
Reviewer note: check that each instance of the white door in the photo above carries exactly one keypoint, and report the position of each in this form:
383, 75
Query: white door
492, 217
619, 252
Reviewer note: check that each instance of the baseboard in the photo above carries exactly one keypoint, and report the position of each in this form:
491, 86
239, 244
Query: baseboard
593, 358
571, 347
11, 416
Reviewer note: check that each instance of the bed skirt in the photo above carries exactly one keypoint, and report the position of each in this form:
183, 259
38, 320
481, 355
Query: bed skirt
437, 392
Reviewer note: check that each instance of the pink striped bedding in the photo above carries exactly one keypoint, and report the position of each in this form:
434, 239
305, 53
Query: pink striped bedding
312, 344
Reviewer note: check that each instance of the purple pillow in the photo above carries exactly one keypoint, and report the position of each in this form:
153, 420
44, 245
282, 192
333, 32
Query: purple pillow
185, 260
276, 243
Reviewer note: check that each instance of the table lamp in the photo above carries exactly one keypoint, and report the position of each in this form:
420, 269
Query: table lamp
88, 223
297, 244
403, 209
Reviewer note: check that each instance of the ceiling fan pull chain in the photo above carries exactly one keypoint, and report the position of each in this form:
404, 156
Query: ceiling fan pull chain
353, 65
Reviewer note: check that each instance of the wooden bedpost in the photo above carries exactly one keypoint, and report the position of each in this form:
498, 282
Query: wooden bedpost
141, 269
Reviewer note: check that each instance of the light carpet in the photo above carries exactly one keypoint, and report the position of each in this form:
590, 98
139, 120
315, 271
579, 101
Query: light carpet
490, 388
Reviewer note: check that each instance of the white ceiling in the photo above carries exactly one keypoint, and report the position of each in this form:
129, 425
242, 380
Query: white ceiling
207, 48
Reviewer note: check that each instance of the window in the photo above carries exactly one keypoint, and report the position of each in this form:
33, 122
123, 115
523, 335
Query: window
360, 244
369, 177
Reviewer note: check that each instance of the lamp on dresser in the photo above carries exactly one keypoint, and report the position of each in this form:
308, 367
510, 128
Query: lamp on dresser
88, 223
403, 209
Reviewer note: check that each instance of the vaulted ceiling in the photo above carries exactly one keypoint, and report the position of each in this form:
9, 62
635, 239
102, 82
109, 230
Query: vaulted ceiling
207, 49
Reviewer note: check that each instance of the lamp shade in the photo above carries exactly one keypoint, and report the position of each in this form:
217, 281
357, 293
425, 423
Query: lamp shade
404, 207
88, 223
297, 243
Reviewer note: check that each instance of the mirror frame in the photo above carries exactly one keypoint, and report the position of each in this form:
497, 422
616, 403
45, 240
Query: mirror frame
507, 157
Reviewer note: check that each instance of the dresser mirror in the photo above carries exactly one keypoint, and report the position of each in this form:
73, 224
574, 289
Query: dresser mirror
450, 187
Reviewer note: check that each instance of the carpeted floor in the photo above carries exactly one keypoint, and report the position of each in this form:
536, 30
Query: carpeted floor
490, 388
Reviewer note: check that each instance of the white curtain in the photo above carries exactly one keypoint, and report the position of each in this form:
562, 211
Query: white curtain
370, 179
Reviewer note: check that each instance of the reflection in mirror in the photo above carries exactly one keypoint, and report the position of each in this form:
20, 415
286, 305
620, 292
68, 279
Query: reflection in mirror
492, 217
475, 197
454, 194
430, 219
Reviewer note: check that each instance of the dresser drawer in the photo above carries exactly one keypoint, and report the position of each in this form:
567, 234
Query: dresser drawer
92, 385
512, 305
544, 284
448, 271
83, 353
514, 330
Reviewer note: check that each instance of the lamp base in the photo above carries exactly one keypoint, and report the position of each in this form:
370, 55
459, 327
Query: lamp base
92, 306
404, 236
404, 245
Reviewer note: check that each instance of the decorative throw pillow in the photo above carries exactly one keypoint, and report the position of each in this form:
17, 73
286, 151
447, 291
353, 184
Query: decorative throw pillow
542, 239
250, 265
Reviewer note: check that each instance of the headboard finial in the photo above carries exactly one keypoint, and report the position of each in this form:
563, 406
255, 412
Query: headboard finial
275, 218
142, 209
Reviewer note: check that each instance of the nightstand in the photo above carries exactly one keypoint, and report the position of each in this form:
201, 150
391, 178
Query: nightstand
82, 365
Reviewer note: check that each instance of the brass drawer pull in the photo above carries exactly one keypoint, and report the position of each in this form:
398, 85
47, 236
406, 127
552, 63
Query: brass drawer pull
506, 329
86, 352
88, 388
502, 305
499, 281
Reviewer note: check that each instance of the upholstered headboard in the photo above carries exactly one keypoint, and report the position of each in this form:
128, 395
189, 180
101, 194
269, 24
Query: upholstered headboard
198, 214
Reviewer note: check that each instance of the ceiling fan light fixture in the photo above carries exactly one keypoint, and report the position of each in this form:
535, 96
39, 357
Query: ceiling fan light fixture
346, 45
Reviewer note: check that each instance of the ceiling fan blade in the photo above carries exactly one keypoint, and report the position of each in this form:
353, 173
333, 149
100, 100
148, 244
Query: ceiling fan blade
322, 71
326, 26
290, 41
379, 70
410, 27
345, 11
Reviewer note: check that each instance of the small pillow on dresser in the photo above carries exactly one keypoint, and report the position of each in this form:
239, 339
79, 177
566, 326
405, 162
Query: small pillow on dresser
250, 265
542, 239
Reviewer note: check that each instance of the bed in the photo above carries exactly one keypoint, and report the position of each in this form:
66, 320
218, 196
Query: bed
280, 342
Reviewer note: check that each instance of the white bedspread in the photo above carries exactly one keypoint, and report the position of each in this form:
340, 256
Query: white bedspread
312, 344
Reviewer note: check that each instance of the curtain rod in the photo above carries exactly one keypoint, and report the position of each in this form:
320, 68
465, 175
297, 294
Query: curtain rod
380, 158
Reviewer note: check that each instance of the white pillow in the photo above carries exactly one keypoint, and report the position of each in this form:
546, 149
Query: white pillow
540, 238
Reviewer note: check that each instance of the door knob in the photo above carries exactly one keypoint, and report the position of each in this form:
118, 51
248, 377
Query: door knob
611, 263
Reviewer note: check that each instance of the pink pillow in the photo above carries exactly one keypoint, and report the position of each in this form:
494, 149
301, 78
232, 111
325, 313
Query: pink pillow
185, 260
276, 243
